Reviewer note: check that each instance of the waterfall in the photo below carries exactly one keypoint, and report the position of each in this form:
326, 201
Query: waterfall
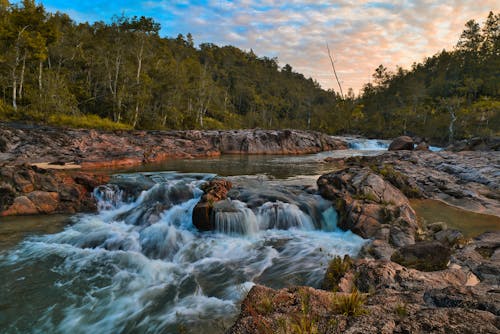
139, 264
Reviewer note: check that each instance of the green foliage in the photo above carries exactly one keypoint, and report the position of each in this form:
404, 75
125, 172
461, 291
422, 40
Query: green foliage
124, 71
337, 268
86, 121
449, 96
401, 310
304, 322
351, 305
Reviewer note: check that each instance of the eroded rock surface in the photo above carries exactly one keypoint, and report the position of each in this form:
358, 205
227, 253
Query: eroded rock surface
214, 191
92, 148
370, 206
391, 299
27, 190
469, 179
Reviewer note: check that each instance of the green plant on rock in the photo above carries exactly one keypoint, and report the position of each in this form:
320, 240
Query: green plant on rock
401, 310
351, 305
265, 305
304, 322
337, 268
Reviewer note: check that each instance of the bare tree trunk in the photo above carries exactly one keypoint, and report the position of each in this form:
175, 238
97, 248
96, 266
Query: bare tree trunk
138, 82
14, 89
452, 123
334, 72
14, 68
40, 69
21, 83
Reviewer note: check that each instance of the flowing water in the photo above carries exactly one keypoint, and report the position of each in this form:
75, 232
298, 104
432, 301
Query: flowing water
140, 266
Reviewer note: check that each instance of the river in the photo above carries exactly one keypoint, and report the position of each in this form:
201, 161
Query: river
139, 265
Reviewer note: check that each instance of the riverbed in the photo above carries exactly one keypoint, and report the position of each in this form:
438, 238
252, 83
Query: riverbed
139, 265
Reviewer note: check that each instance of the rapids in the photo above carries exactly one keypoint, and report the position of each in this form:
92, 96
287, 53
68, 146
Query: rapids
139, 265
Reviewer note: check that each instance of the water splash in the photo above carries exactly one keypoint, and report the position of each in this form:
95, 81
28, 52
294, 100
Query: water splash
139, 265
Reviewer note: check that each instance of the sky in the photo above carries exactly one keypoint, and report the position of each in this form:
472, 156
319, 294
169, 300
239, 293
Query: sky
361, 34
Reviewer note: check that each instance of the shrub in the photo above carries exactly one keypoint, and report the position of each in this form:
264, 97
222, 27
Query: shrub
350, 304
337, 268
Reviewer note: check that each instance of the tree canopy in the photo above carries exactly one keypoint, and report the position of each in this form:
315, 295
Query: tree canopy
123, 74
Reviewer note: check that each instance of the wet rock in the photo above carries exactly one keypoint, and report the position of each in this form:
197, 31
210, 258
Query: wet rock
370, 206
203, 213
401, 143
424, 256
30, 190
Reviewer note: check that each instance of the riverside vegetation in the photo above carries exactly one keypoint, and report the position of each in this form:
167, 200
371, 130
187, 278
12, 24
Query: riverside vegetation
124, 75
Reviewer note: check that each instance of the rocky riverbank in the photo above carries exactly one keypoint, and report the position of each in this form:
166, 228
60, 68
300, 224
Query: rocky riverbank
37, 162
93, 149
411, 277
469, 179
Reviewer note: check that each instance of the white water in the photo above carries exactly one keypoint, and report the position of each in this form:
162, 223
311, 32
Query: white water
139, 265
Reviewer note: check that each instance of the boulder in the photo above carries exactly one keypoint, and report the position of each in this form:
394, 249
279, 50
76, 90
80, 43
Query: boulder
203, 213
401, 143
423, 256
370, 206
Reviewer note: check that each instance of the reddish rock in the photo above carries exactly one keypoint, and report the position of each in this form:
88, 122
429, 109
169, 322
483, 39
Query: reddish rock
30, 190
45, 202
214, 191
401, 143
422, 147
22, 206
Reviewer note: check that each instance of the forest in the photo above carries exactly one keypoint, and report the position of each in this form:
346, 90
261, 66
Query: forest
124, 75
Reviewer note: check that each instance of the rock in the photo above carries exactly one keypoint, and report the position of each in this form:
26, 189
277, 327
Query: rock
45, 202
94, 148
214, 191
30, 190
437, 226
424, 256
467, 180
401, 143
469, 297
451, 237
22, 205
3, 144
422, 147
370, 206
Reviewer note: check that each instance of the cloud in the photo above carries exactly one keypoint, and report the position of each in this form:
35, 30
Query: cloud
362, 34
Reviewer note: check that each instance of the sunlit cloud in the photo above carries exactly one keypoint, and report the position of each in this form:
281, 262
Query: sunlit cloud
362, 34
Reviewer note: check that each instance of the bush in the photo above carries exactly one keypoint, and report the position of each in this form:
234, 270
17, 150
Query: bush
337, 268
86, 121
350, 304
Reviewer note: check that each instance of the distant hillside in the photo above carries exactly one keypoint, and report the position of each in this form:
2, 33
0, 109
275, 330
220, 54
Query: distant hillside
54, 70
123, 75
454, 94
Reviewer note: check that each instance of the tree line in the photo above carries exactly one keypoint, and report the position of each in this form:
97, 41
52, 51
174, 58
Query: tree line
123, 74
451, 95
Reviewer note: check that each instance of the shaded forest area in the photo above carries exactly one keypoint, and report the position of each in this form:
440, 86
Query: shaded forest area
123, 75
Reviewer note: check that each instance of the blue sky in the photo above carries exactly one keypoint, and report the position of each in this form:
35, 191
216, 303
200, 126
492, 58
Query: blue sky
361, 34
